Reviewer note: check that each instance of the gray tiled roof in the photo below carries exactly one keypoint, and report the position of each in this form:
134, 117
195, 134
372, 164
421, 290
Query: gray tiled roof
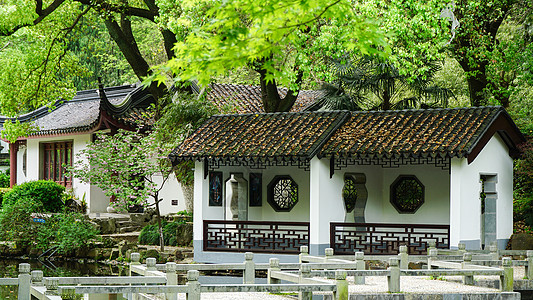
77, 115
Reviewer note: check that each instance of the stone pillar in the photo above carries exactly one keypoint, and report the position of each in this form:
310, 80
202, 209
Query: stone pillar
194, 288
494, 255
360, 265
24, 282
305, 272
274, 266
51, 286
404, 258
467, 260
342, 285
507, 280
328, 253
150, 264
304, 251
249, 268
432, 256
529, 267
172, 279
135, 261
393, 279
37, 278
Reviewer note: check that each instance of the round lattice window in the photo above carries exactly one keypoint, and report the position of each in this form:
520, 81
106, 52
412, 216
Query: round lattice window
282, 193
349, 193
407, 194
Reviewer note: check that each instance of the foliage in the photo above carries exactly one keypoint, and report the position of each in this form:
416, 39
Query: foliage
279, 40
4, 180
371, 76
125, 165
184, 114
15, 220
48, 193
67, 231
523, 186
3, 191
11, 131
149, 234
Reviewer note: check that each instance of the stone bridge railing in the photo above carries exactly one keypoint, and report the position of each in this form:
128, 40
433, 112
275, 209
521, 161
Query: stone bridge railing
304, 277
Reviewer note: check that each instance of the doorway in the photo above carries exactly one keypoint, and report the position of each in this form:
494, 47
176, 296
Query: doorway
488, 197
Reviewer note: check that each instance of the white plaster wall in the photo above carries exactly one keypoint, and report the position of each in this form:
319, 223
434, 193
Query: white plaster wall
435, 209
170, 191
326, 203
300, 212
201, 202
96, 200
465, 214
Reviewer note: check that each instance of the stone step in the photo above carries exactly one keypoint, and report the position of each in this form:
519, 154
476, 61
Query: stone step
129, 229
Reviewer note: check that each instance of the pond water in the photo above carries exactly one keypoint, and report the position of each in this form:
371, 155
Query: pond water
9, 268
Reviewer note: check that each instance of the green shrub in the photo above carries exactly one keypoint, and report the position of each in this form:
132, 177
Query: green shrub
4, 180
3, 191
48, 193
150, 234
16, 220
67, 231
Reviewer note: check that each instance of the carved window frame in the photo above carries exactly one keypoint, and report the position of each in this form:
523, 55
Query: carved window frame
274, 190
398, 189
349, 193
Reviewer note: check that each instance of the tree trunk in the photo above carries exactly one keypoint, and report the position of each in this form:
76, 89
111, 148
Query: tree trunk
127, 45
158, 213
188, 197
272, 101
476, 83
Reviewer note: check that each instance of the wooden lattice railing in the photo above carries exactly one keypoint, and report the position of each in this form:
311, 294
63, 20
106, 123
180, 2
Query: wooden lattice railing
376, 238
256, 236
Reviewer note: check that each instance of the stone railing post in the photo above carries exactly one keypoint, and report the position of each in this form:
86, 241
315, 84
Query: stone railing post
467, 260
529, 267
342, 285
432, 245
432, 256
193, 286
150, 264
37, 278
172, 279
135, 261
274, 266
305, 272
24, 282
304, 251
359, 265
393, 279
51, 286
404, 258
494, 255
329, 253
461, 248
249, 268
507, 280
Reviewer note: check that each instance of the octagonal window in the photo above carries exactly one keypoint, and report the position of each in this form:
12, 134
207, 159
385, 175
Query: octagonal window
282, 193
407, 194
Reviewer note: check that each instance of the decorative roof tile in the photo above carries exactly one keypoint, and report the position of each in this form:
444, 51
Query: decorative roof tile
459, 132
247, 98
261, 135
412, 133
82, 113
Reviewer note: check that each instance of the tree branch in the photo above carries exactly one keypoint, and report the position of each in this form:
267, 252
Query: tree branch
313, 19
121, 8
